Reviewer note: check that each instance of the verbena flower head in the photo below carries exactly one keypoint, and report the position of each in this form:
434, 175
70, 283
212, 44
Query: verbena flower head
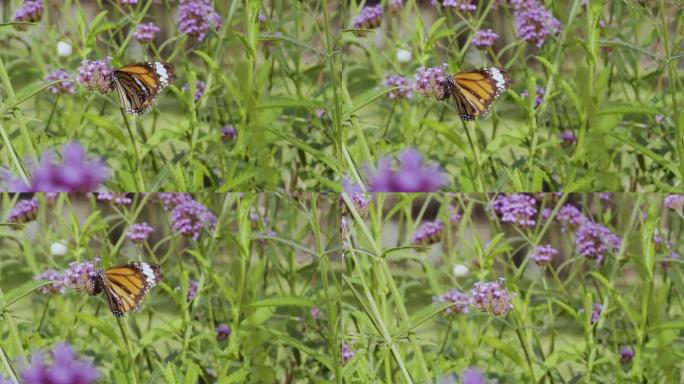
484, 39
57, 286
568, 138
369, 18
83, 276
116, 198
538, 98
23, 212
660, 119
543, 254
197, 17
674, 202
492, 297
430, 232
534, 22
460, 301
129, 2
315, 312
65, 368
593, 241
66, 84
472, 376
190, 218
139, 232
397, 81
228, 132
222, 332
516, 208
171, 199
410, 176
146, 32
97, 75
396, 5
626, 354
31, 11
460, 5
570, 217
596, 311
200, 87
432, 82
346, 353
193, 286
360, 202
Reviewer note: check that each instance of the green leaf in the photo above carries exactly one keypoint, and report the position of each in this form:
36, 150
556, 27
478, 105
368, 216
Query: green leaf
104, 327
420, 317
236, 182
294, 343
287, 102
238, 377
648, 153
16, 294
113, 130
283, 301
503, 347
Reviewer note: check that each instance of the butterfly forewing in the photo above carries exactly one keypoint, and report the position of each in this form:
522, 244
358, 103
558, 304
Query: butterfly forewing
474, 91
126, 285
139, 84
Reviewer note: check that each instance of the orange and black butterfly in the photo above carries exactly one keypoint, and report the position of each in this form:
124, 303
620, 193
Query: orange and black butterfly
474, 91
125, 286
139, 84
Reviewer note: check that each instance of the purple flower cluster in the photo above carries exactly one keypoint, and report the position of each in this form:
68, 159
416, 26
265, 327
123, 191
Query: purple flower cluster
411, 176
538, 98
492, 297
97, 75
193, 286
596, 311
129, 2
534, 22
172, 199
395, 5
429, 233
23, 212
82, 276
593, 241
626, 354
404, 92
516, 208
360, 201
146, 32
66, 82
222, 332
570, 217
346, 353
30, 12
674, 202
472, 376
543, 254
116, 198
369, 18
484, 39
432, 82
460, 301
138, 233
57, 285
190, 218
196, 17
568, 138
65, 368
315, 312
200, 87
461, 5
228, 132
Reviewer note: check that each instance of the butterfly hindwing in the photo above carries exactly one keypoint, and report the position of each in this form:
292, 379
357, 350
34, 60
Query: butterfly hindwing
474, 91
139, 84
126, 285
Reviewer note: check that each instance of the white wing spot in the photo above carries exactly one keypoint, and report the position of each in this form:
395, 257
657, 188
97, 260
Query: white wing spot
149, 275
162, 73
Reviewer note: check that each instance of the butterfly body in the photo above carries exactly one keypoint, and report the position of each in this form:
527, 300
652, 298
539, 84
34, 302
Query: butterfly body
139, 84
125, 286
474, 91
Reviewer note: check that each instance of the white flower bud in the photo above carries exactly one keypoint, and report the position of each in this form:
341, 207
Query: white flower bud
460, 270
63, 49
58, 248
403, 56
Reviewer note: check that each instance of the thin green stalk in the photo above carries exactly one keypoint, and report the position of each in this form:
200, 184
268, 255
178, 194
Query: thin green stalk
129, 351
142, 187
334, 79
28, 141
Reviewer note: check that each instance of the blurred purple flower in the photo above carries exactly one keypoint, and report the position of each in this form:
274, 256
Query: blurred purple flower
57, 286
660, 119
172, 199
430, 232
593, 241
129, 2
116, 198
461, 5
200, 87
222, 332
190, 217
369, 18
492, 297
570, 217
472, 376
146, 32
196, 17
432, 82
397, 81
396, 5
568, 138
411, 176
31, 11
534, 22
543, 254
65, 368
674, 202
23, 212
315, 313
97, 75
516, 208
539, 97
228, 132
626, 354
66, 84
360, 201
460, 302
484, 39
454, 216
193, 286
346, 353
320, 112
83, 276
596, 310
138, 233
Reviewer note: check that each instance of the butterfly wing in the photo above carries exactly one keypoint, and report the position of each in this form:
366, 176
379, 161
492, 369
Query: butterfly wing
474, 91
126, 285
139, 84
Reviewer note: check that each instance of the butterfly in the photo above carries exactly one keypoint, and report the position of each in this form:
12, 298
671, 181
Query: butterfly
125, 286
474, 91
139, 84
